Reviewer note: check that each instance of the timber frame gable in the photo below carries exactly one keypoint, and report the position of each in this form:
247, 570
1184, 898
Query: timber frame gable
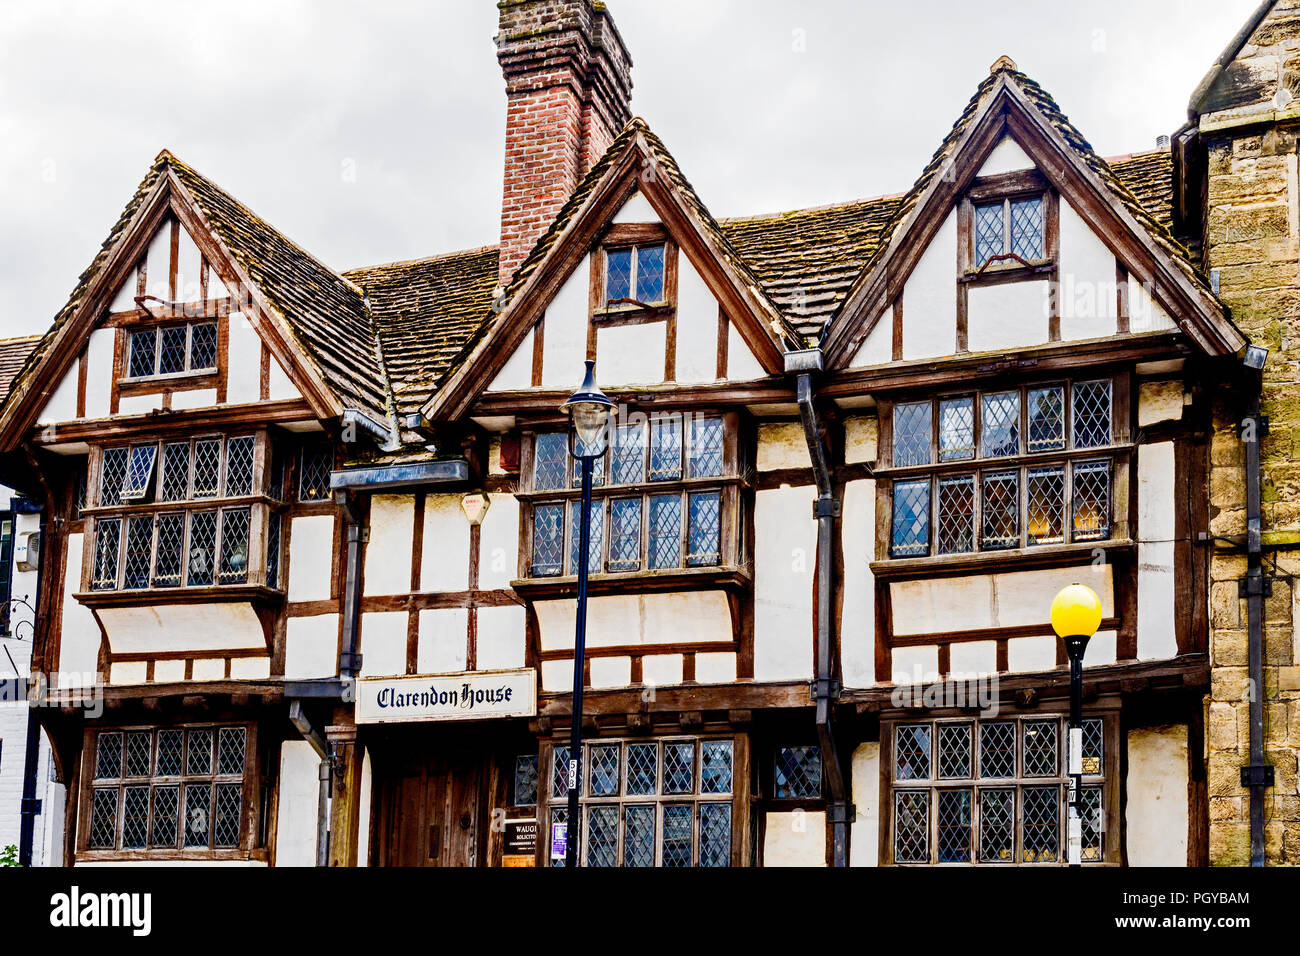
636, 161
1008, 103
168, 190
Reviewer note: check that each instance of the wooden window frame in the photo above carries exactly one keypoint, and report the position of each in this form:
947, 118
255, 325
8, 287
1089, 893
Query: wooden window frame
1109, 780
251, 827
633, 236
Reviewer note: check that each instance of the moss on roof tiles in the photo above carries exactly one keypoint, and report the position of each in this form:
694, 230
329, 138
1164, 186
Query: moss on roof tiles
13, 356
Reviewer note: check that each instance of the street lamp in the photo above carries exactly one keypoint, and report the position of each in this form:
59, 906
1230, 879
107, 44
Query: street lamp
1076, 615
589, 413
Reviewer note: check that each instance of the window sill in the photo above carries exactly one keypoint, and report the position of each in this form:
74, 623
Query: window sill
191, 855
730, 577
203, 378
213, 594
1037, 556
1015, 272
632, 313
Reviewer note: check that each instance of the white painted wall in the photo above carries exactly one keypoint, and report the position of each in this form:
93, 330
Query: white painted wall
1155, 816
383, 643
784, 564
794, 838
864, 841
638, 619
1088, 294
1009, 315
244, 369
878, 347
311, 647
79, 634
858, 621
99, 372
311, 557
930, 297
1145, 314
443, 642
295, 828
518, 370
1160, 401
697, 326
204, 628
444, 562
388, 554
564, 339
498, 554
742, 366
1006, 157
631, 354
501, 640
1155, 534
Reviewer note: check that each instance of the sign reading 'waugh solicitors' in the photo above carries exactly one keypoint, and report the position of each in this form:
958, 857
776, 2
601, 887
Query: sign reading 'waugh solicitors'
447, 697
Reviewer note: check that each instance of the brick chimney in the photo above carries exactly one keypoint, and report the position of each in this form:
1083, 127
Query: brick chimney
568, 93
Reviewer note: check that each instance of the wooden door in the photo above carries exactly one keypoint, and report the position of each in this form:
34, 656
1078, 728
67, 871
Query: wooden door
432, 812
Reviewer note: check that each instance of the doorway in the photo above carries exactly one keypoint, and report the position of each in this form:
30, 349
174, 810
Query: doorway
431, 810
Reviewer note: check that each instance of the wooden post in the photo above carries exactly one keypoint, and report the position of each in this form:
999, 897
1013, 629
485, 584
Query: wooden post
345, 804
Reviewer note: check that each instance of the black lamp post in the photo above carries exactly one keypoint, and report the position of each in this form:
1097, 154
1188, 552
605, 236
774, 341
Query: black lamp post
589, 412
1076, 615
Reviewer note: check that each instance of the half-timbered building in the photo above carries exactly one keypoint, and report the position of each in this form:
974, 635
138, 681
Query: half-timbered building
315, 532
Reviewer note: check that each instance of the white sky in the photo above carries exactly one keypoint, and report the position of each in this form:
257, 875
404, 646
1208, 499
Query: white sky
370, 132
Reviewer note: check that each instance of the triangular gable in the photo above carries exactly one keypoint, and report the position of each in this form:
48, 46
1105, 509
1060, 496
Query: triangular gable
636, 161
169, 191
1008, 103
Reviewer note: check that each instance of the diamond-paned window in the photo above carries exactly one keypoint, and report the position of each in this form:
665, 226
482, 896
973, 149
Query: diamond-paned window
103, 819
705, 447
203, 346
525, 783
911, 434
1045, 488
144, 353
954, 826
650, 274
202, 549
912, 754
198, 814
207, 468
911, 532
956, 429
1093, 825
997, 749
628, 455
715, 766
602, 766
234, 546
618, 274
642, 769
666, 448
1010, 226
715, 834
602, 835
560, 772
139, 550
239, 466
1001, 509
679, 767
639, 835
1090, 500
226, 814
705, 527
997, 809
112, 472
175, 472
955, 751
166, 810
1041, 748
173, 349
1000, 424
989, 233
635, 273
108, 756
1046, 413
665, 535
1092, 414
170, 744
273, 550
139, 472
548, 539
108, 542
797, 773
624, 534
551, 457
230, 750
1040, 824
956, 518
198, 751
135, 817
678, 833
1092, 746
315, 463
911, 826
139, 754
1027, 228
596, 536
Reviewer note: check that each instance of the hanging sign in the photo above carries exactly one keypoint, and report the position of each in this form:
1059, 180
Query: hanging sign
470, 696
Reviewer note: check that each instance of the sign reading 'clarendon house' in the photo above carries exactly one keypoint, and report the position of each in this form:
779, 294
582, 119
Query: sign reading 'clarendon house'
447, 697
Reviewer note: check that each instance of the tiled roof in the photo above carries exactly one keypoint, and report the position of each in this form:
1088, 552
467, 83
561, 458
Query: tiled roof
13, 355
1150, 176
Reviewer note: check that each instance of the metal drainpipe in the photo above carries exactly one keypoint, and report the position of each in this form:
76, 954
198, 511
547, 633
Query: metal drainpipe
31, 803
357, 535
826, 509
1258, 775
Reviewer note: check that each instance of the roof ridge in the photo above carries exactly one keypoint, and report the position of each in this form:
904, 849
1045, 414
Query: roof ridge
421, 260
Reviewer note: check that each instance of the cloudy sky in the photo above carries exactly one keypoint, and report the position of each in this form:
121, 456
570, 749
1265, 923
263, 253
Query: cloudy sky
373, 132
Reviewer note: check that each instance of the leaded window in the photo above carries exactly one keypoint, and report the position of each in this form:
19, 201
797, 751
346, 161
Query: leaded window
163, 790
1009, 228
525, 782
635, 275
797, 773
315, 462
992, 791
652, 803
173, 350
1008, 497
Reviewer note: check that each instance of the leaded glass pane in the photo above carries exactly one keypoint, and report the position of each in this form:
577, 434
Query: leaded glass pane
628, 455
203, 538
175, 472
639, 835
239, 466
912, 752
548, 539
1045, 492
597, 469
665, 447
642, 769
706, 447
997, 826
207, 467
677, 835
650, 274
912, 434
797, 773
1090, 500
225, 814
171, 547
1092, 746
1027, 227
602, 770
956, 514
954, 826
166, 810
955, 751
1047, 418
705, 508
198, 813
997, 749
203, 346
139, 551
1041, 748
988, 232
625, 534
135, 817
1040, 824
144, 350
679, 766
108, 540
314, 477
1090, 815
234, 546
230, 750
171, 351
665, 544
108, 756
550, 457
198, 751
525, 780
273, 550
618, 274
596, 540
956, 429
1000, 424
911, 533
1092, 414
139, 472
560, 772
139, 753
1001, 510
715, 766
112, 472
602, 835
103, 819
911, 826
715, 834
169, 753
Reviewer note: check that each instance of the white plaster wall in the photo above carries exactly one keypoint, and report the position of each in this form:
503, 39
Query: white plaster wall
189, 268
1155, 618
878, 347
1087, 293
611, 671
212, 668
786, 555
99, 372
914, 665
781, 445
244, 668
133, 672
864, 842
194, 398
1155, 815
207, 628
858, 621
557, 675
795, 838
630, 354
1145, 314
168, 672
244, 365
501, 638
295, 828
311, 647
1006, 157
636, 619
444, 564
383, 643
662, 669
498, 555
930, 297
1159, 402
158, 262
564, 341
62, 404
742, 366
311, 557
1031, 653
636, 209
443, 641
279, 387
972, 659
124, 297
1010, 315
388, 555
717, 667
518, 370
860, 439
697, 326
79, 634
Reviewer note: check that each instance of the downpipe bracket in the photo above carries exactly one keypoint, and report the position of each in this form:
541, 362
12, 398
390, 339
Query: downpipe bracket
841, 813
1257, 775
827, 688
827, 508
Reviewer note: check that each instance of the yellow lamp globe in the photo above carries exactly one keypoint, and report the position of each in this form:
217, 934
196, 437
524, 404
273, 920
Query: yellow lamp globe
1076, 611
